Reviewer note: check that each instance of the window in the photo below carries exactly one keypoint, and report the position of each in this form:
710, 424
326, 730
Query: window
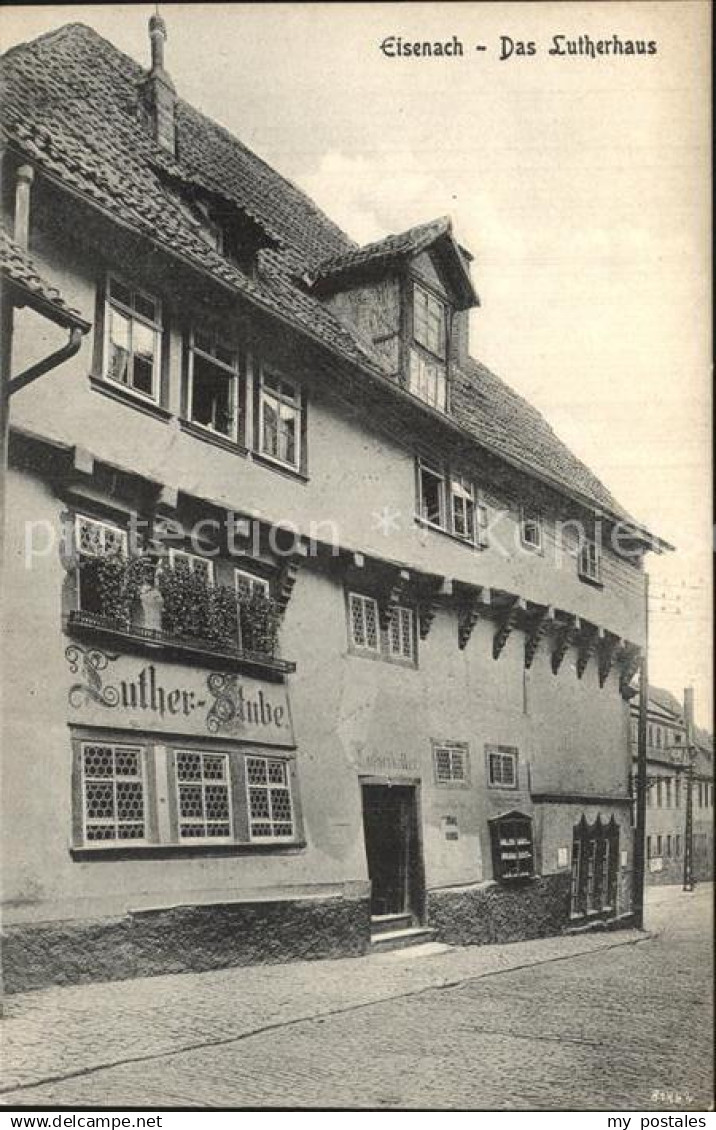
531, 529
428, 321
427, 380
659, 792
462, 493
401, 633
214, 394
280, 419
203, 795
216, 797
677, 845
450, 761
427, 377
658, 845
512, 847
450, 502
113, 793
658, 737
501, 767
589, 563
667, 784
95, 541
649, 846
269, 797
677, 793
432, 494
247, 585
595, 857
132, 339
363, 622
668, 847
196, 564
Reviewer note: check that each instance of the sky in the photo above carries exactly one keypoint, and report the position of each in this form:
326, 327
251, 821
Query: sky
580, 185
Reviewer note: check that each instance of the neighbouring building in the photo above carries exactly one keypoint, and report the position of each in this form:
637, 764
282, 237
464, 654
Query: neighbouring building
316, 635
671, 760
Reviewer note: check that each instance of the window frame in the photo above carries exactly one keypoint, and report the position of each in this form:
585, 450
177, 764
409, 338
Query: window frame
426, 371
463, 487
420, 289
129, 312
401, 613
589, 562
254, 580
434, 470
363, 648
176, 751
296, 402
160, 795
531, 516
462, 749
78, 555
116, 843
287, 786
104, 524
192, 558
448, 476
233, 374
509, 753
427, 366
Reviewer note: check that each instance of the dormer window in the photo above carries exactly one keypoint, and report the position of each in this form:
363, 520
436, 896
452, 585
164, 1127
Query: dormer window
427, 376
428, 321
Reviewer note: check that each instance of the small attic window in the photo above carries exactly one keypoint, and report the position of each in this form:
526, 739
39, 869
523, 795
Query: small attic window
428, 321
427, 371
211, 228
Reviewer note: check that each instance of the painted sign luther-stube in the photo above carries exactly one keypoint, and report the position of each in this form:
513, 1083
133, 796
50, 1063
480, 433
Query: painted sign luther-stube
121, 690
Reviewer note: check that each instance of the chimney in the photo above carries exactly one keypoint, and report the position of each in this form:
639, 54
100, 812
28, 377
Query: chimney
689, 714
159, 89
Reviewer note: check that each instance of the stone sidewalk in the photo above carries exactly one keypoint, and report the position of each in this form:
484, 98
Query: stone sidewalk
65, 1032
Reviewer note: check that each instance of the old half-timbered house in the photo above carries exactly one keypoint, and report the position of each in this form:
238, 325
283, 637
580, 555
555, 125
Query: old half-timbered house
316, 637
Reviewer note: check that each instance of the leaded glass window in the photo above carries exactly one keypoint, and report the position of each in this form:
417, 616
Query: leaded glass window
269, 799
363, 622
203, 795
113, 793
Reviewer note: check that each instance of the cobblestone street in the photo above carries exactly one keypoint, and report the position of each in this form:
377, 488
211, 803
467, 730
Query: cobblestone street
605, 1021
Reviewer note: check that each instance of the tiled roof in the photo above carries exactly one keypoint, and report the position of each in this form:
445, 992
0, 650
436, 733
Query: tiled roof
410, 242
667, 701
670, 703
378, 256
16, 266
71, 104
493, 412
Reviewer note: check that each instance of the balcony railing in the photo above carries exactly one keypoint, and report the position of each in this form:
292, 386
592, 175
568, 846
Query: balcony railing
172, 607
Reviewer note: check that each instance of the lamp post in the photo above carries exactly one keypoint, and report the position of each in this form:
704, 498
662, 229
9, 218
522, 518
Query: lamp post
641, 776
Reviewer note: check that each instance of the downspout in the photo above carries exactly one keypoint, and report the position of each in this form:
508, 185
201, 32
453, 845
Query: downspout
51, 362
9, 384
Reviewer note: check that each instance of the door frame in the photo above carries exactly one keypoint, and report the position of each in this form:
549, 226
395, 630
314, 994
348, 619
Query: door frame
417, 863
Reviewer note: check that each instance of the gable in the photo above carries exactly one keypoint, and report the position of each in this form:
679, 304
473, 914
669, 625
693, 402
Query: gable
424, 267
